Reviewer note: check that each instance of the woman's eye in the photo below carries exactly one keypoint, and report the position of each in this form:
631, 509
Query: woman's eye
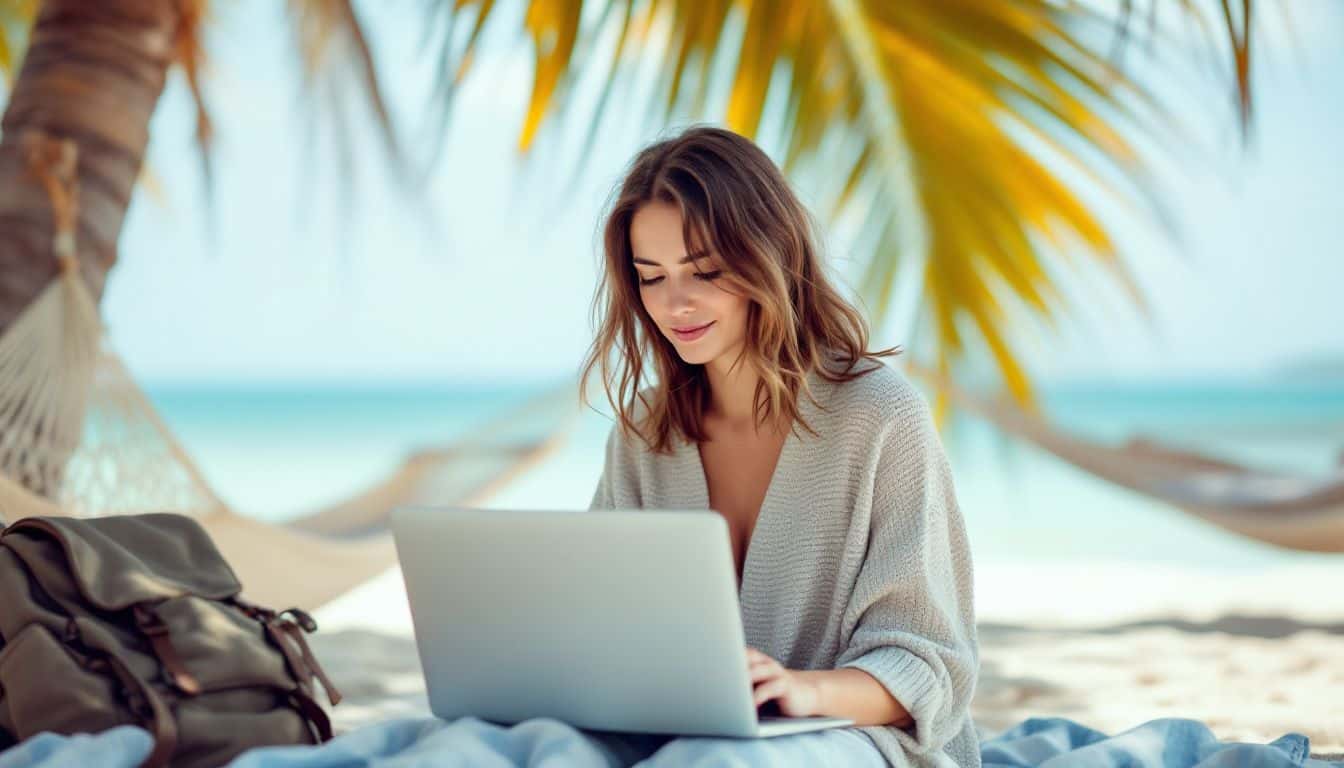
700, 275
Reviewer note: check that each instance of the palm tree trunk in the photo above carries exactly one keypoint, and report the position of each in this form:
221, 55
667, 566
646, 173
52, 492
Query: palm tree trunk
93, 73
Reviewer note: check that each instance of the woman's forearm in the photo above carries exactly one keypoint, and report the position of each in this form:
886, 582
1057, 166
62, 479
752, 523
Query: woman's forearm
856, 695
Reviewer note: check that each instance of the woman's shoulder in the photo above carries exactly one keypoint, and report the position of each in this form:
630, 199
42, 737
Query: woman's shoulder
880, 394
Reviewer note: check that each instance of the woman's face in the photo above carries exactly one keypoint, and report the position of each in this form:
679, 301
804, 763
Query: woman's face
696, 312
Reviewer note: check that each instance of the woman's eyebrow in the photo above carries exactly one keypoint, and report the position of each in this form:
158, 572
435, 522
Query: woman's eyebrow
698, 255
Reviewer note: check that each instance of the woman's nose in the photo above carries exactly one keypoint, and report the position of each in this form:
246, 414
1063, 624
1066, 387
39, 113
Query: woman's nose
680, 299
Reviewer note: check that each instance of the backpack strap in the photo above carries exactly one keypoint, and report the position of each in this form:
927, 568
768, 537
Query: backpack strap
277, 627
143, 702
146, 704
310, 661
152, 626
313, 712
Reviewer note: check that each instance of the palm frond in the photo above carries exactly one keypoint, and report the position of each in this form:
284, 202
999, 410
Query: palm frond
453, 65
189, 53
973, 139
992, 209
1223, 26
554, 28
966, 127
329, 33
16, 17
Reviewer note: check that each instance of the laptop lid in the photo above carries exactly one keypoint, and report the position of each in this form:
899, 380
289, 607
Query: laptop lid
609, 620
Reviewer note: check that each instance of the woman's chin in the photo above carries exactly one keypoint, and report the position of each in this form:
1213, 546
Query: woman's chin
694, 359
694, 356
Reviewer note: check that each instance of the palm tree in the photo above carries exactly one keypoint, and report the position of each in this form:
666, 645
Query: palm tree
940, 116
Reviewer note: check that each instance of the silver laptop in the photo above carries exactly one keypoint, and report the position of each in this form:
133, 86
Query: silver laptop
607, 620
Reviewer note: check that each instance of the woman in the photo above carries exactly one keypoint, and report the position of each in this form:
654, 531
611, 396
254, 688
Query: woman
854, 570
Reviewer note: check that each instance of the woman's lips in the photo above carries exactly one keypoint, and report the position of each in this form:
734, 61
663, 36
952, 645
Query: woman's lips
694, 333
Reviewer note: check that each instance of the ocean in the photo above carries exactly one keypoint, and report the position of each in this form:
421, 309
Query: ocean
275, 452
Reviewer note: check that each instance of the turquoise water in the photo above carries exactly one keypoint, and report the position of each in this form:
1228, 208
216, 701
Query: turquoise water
276, 452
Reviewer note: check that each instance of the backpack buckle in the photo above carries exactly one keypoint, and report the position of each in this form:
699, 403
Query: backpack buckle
154, 628
150, 622
302, 618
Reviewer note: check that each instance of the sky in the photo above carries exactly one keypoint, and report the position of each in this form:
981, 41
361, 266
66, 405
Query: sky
320, 273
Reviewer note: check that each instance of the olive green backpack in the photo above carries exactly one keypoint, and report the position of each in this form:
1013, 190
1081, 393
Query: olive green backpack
137, 620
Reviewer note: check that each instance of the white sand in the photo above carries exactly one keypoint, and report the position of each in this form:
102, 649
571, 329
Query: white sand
1252, 654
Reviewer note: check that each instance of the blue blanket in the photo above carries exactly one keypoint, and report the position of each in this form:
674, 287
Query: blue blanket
547, 743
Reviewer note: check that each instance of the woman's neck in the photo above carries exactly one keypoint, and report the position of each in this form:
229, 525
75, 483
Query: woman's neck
731, 393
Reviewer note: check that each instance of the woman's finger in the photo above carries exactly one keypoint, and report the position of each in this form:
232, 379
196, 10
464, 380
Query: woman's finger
770, 690
760, 673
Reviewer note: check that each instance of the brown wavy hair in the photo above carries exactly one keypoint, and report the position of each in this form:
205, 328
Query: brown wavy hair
734, 200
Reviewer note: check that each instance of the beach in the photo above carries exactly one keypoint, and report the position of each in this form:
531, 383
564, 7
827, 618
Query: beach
1094, 603
1253, 656
1126, 224
1240, 658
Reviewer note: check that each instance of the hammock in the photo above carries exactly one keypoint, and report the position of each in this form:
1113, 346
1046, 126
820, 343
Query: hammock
1277, 508
79, 437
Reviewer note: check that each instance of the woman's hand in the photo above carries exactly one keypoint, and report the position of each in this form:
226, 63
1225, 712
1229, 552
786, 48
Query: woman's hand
797, 694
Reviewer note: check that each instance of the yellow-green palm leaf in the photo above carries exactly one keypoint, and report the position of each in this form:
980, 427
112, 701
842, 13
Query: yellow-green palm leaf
945, 124
954, 118
15, 18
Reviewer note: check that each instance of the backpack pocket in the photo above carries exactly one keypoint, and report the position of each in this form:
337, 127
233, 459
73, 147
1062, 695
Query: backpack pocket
45, 688
221, 647
209, 725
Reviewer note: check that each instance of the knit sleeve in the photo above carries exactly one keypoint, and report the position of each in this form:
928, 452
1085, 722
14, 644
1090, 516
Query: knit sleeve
910, 621
602, 495
615, 486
